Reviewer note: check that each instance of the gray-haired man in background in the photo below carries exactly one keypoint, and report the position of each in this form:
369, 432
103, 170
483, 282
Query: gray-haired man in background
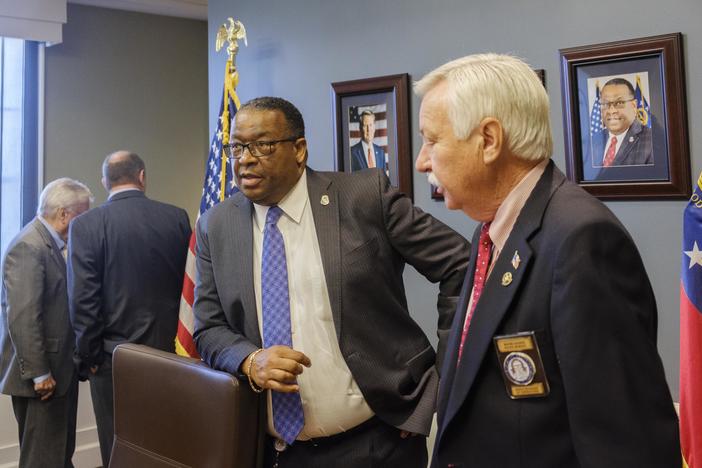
36, 338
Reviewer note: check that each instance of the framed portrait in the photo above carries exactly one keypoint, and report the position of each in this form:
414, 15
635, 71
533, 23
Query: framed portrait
625, 118
371, 127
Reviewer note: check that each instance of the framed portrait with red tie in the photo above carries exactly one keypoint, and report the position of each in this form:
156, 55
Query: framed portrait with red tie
371, 127
625, 118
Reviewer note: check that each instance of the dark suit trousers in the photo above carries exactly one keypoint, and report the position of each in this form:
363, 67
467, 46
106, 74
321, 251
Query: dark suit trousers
47, 429
103, 407
369, 445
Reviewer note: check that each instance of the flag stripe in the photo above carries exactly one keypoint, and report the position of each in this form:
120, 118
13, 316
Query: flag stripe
690, 380
218, 185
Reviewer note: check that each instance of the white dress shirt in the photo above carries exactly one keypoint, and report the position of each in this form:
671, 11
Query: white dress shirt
331, 400
620, 139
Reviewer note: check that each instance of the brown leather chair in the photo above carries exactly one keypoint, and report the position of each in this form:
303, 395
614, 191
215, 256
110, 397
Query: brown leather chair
173, 411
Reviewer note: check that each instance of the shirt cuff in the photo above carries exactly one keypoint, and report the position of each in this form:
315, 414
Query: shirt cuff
41, 378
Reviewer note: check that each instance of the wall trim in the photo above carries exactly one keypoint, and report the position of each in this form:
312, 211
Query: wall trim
194, 9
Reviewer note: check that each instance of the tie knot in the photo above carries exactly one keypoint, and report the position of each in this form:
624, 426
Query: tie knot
613, 141
274, 214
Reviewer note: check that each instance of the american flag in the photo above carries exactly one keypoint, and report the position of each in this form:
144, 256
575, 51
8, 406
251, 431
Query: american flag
597, 130
381, 126
219, 184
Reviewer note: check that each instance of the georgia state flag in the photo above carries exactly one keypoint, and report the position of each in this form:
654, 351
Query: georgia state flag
691, 332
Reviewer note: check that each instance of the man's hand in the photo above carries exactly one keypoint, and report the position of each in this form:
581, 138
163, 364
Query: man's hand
276, 368
45, 388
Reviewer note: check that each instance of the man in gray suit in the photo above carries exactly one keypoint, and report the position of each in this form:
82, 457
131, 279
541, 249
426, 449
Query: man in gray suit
303, 270
36, 339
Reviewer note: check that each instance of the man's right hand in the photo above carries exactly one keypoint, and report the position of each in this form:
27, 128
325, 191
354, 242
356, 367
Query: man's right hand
276, 368
45, 388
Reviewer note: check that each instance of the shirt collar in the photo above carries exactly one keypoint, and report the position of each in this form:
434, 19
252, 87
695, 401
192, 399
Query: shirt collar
293, 204
509, 210
59, 242
112, 194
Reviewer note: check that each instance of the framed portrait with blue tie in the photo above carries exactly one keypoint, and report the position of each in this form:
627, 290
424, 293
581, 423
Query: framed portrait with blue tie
371, 127
625, 118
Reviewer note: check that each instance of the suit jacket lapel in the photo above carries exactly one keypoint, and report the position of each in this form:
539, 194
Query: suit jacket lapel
448, 372
628, 144
496, 298
326, 222
240, 234
58, 259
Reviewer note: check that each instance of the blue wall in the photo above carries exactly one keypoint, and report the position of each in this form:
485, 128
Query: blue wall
297, 48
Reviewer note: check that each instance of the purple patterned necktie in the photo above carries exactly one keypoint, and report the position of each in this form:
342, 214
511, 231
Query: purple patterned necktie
288, 418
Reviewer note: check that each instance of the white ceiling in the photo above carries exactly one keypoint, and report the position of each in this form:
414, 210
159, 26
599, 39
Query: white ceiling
196, 9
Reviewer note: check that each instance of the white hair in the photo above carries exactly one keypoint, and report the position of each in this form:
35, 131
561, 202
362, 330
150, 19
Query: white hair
62, 193
499, 86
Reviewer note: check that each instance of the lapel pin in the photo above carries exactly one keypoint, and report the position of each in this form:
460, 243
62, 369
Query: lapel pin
506, 279
516, 260
325, 200
631, 139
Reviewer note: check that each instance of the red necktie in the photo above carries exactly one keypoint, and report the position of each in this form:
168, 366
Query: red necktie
609, 157
371, 159
482, 264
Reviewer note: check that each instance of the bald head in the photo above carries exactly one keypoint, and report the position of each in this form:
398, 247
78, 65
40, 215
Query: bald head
123, 169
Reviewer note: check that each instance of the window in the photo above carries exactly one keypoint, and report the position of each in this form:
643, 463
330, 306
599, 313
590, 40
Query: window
19, 136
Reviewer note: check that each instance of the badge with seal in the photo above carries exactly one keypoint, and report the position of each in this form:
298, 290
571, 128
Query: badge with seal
521, 365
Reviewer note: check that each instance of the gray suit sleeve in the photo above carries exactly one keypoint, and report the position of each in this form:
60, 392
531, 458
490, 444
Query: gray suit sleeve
436, 251
24, 282
219, 344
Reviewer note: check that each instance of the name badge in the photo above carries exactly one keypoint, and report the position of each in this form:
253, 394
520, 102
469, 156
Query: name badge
521, 365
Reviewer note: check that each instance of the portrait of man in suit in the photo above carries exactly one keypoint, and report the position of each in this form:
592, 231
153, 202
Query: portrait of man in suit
36, 338
626, 141
554, 280
366, 154
125, 274
282, 299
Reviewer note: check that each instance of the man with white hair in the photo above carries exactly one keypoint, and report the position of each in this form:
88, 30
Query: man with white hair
555, 284
36, 338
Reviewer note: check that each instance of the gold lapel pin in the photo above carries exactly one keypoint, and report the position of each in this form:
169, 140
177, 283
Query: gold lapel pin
506, 279
325, 200
516, 260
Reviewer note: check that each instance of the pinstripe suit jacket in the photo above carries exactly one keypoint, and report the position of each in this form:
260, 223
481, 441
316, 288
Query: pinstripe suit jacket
35, 331
367, 233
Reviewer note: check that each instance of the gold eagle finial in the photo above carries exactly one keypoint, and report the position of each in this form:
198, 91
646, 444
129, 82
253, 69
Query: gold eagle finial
231, 33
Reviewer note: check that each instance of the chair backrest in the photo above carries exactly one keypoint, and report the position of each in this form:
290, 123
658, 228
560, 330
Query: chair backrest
173, 411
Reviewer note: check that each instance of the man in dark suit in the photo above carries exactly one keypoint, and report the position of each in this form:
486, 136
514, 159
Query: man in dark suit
125, 274
36, 339
552, 359
365, 153
302, 270
627, 142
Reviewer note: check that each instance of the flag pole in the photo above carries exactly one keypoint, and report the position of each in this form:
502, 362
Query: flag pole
219, 177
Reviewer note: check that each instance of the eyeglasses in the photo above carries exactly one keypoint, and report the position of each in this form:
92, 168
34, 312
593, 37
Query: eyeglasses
618, 104
257, 149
